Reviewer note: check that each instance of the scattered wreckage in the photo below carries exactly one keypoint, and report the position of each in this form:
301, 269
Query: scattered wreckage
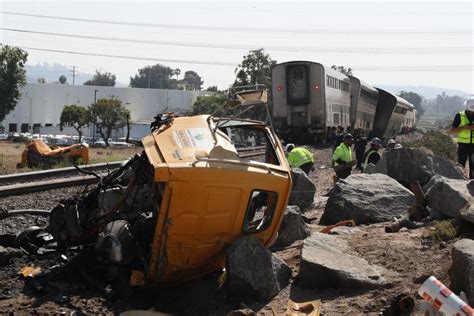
38, 154
169, 213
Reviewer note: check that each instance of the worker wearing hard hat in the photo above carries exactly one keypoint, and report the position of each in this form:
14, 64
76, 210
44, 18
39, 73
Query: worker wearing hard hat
391, 144
342, 158
463, 126
300, 157
372, 155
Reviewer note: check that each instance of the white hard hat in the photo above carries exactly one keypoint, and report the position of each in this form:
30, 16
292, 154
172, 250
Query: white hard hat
289, 145
469, 103
398, 146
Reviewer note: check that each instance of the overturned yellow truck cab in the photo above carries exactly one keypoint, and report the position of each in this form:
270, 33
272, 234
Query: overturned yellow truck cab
170, 214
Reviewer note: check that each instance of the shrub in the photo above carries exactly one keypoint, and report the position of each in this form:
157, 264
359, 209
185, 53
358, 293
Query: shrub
442, 231
439, 143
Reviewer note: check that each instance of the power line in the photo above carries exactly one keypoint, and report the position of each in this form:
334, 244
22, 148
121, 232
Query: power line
214, 63
249, 29
339, 50
198, 62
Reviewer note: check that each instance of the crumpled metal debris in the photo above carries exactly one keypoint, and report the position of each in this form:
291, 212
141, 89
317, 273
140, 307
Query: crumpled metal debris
29, 271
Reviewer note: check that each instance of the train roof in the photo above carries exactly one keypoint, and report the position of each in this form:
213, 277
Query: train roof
364, 85
404, 102
327, 70
297, 62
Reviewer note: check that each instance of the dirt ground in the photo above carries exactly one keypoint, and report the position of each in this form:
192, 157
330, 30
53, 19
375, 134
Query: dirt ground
65, 285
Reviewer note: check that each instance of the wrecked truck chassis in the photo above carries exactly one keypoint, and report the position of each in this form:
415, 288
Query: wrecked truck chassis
170, 213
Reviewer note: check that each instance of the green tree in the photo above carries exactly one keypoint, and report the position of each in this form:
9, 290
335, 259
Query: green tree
448, 105
212, 89
177, 72
107, 115
192, 79
12, 77
415, 99
255, 68
344, 70
62, 79
102, 79
155, 77
208, 104
75, 116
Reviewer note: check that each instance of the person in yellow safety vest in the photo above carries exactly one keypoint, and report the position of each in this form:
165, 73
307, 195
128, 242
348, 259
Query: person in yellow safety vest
463, 125
300, 157
342, 157
372, 155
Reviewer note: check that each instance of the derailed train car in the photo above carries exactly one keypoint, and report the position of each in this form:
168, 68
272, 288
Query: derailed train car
170, 213
310, 100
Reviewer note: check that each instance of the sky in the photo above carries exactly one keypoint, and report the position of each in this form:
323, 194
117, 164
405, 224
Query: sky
425, 43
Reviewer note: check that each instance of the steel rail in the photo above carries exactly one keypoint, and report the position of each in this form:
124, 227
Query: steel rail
23, 188
56, 172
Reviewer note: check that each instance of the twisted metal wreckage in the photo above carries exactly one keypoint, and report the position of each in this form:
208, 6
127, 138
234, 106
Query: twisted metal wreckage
169, 213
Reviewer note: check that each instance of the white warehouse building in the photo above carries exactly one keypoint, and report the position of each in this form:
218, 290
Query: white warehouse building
39, 108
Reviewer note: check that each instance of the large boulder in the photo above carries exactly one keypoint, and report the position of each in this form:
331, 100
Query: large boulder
461, 272
451, 197
303, 189
409, 165
293, 227
254, 271
327, 262
367, 198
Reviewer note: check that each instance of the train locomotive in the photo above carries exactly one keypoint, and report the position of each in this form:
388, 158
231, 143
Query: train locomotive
310, 101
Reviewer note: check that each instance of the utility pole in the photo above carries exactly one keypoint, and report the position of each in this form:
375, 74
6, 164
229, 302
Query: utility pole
73, 74
149, 77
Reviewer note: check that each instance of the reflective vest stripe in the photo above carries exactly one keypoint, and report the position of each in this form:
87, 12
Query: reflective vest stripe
464, 136
366, 161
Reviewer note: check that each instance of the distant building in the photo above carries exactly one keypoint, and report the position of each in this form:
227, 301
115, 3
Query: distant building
40, 105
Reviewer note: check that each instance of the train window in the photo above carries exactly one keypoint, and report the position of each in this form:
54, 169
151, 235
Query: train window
336, 118
368, 96
298, 73
297, 84
399, 109
344, 86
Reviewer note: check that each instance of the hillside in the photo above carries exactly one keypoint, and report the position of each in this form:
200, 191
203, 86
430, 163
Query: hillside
52, 72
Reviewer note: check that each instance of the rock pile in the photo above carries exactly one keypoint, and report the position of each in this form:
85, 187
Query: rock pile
303, 189
409, 165
292, 228
327, 262
367, 198
253, 271
451, 197
461, 272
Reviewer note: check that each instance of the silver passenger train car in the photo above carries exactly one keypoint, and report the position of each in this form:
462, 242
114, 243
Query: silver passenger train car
311, 100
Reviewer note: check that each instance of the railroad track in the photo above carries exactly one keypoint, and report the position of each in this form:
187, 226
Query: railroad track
36, 181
